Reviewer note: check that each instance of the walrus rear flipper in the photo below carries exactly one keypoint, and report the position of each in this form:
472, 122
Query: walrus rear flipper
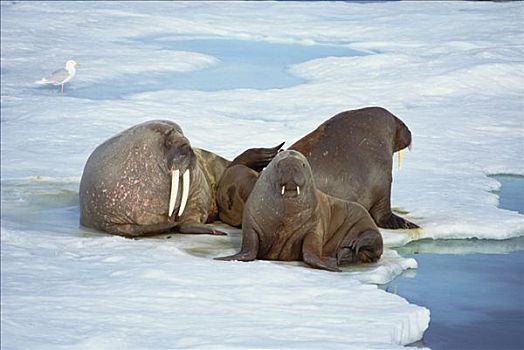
366, 248
257, 158
134, 231
201, 229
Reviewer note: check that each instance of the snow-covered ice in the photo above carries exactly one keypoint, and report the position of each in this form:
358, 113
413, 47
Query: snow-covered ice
453, 71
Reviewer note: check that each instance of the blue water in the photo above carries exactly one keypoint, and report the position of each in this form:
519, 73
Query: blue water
511, 194
243, 65
476, 300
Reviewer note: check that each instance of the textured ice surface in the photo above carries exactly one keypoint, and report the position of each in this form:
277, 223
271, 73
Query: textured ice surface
452, 71
63, 290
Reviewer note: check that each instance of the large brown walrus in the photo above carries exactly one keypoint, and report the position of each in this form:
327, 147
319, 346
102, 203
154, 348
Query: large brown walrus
286, 218
351, 156
149, 180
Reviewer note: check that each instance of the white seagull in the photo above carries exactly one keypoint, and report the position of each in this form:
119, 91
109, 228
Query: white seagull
61, 76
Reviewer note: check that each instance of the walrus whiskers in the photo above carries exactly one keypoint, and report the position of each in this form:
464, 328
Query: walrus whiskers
186, 183
174, 190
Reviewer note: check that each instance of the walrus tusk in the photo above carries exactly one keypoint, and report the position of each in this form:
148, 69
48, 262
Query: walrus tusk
174, 191
186, 183
283, 190
400, 158
298, 190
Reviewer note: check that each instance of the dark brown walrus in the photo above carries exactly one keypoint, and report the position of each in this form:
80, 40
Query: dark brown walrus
286, 218
130, 184
351, 155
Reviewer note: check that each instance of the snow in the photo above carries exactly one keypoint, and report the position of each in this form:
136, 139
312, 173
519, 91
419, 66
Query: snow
106, 292
452, 71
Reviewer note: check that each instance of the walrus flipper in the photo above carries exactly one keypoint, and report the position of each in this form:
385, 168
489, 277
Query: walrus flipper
257, 158
384, 217
365, 248
393, 221
250, 245
313, 257
197, 229
134, 231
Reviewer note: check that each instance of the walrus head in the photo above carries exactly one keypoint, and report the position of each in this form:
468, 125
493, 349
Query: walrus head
402, 137
181, 160
293, 177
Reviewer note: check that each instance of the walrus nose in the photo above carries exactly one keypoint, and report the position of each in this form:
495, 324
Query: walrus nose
291, 177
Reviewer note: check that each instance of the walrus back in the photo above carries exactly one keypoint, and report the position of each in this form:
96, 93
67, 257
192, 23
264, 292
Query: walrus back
117, 182
351, 155
352, 150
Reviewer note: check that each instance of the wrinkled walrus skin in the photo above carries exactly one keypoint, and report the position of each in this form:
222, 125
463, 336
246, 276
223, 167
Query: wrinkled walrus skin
234, 188
286, 218
351, 156
127, 181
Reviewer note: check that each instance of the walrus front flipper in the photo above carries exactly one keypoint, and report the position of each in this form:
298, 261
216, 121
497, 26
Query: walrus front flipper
257, 158
250, 244
393, 221
312, 254
133, 231
384, 217
199, 229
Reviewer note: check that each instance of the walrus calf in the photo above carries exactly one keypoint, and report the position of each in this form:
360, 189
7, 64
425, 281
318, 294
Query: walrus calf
149, 180
351, 156
287, 218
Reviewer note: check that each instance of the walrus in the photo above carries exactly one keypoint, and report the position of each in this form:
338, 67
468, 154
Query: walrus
287, 218
148, 180
233, 190
351, 155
